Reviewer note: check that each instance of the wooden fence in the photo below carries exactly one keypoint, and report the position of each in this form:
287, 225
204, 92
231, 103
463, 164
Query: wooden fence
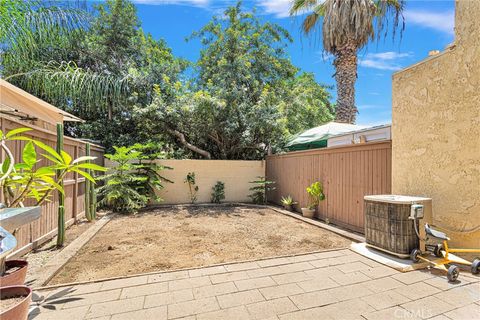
348, 173
32, 235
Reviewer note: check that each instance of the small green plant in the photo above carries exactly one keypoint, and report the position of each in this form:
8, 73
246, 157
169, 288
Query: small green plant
30, 180
315, 191
192, 187
218, 192
260, 189
288, 201
132, 183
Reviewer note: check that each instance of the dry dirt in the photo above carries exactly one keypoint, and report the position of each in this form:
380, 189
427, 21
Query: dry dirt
40, 256
9, 302
182, 237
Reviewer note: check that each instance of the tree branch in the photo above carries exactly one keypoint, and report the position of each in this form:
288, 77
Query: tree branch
181, 138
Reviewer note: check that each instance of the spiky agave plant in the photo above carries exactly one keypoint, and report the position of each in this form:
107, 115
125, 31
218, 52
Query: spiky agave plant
347, 26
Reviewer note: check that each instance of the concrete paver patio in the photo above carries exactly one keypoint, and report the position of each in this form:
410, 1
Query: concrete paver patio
337, 284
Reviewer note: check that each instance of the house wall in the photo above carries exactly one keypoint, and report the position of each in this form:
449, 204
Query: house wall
436, 130
235, 174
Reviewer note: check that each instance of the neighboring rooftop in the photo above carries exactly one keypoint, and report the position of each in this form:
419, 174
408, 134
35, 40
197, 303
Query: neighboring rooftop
21, 105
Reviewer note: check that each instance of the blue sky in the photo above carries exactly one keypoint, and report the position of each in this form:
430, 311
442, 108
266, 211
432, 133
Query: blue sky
429, 26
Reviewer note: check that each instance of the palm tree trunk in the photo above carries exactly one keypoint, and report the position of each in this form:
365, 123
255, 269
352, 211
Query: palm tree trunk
346, 75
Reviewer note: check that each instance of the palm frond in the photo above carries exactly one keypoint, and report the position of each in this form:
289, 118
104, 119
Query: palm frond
299, 6
345, 21
40, 23
64, 83
310, 22
386, 10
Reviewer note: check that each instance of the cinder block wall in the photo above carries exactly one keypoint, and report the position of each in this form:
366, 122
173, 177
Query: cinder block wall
436, 130
235, 174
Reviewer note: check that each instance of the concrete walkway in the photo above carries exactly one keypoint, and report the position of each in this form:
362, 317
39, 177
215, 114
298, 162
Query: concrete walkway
329, 285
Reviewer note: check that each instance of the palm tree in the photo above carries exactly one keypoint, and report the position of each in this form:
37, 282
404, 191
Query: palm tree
348, 25
31, 33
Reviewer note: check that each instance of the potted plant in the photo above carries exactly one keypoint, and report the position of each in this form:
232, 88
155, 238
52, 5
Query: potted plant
15, 273
15, 302
288, 203
315, 192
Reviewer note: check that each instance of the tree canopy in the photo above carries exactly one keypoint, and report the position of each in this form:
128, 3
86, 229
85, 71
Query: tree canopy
242, 98
246, 97
347, 27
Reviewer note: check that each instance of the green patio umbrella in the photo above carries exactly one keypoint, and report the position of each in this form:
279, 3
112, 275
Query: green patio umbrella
317, 137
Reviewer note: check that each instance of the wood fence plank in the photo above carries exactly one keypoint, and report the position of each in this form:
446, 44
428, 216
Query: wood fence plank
348, 174
29, 235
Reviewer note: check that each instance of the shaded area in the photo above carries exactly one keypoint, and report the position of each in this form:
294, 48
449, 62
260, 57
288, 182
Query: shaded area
52, 302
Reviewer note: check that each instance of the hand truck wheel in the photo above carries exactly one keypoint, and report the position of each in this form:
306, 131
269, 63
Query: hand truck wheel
476, 266
452, 273
438, 251
414, 255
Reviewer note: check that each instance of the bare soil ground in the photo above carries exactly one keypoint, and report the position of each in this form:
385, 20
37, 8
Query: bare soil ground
40, 256
182, 237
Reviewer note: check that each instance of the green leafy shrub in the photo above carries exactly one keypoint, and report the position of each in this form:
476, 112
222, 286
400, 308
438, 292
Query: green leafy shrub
315, 191
192, 187
132, 183
218, 192
260, 189
29, 178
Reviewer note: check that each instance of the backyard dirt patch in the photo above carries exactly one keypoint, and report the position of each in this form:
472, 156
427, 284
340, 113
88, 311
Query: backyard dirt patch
192, 236
40, 256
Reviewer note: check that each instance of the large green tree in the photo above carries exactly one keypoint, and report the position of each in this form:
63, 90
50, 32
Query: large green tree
39, 48
347, 26
245, 98
116, 45
97, 66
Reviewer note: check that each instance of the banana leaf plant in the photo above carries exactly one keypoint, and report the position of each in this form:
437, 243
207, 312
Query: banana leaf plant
39, 172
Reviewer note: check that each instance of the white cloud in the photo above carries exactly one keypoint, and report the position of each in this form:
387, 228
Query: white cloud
440, 21
278, 8
196, 3
384, 60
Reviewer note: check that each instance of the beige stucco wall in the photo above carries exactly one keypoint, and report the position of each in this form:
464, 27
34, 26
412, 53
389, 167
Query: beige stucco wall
436, 130
235, 174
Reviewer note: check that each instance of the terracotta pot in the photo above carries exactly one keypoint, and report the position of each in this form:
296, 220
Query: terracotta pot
16, 278
308, 213
20, 310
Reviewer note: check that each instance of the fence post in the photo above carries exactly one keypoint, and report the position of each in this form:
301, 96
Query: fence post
88, 213
75, 186
93, 198
61, 196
